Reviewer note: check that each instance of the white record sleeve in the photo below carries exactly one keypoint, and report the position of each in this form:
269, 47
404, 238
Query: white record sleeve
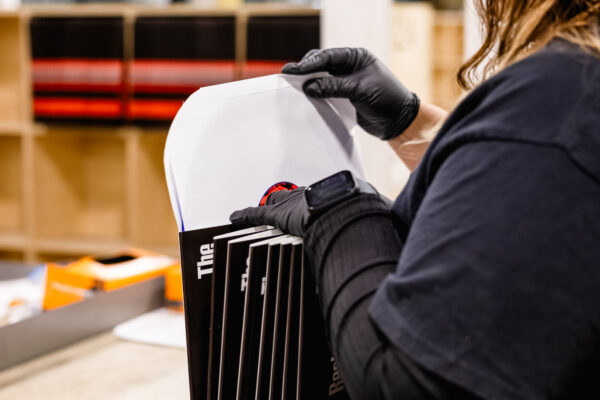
229, 143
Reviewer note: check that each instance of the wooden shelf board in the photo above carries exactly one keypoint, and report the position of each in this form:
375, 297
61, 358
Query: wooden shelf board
9, 13
275, 9
86, 127
449, 17
78, 245
441, 67
109, 10
186, 10
12, 241
172, 251
13, 128
76, 10
89, 246
9, 128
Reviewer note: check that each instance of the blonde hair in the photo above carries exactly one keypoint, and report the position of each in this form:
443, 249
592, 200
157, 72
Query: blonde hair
515, 29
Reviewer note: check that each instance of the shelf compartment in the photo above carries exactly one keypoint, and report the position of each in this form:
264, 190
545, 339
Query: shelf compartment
154, 225
80, 186
13, 70
11, 176
78, 68
173, 57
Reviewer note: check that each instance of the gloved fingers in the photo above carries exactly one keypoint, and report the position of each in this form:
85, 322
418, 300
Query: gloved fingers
331, 87
278, 197
311, 53
336, 61
291, 67
251, 216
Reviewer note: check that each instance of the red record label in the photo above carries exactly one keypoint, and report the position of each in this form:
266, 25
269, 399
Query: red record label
276, 188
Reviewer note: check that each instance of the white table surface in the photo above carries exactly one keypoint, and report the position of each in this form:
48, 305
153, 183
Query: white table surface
102, 367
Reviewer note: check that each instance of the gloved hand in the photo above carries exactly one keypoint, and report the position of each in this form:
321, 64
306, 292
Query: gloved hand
384, 107
286, 210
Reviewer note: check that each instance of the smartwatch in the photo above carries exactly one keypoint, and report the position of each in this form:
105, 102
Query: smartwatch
328, 192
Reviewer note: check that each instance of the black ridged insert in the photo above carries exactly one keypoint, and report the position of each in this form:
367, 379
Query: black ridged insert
282, 38
185, 38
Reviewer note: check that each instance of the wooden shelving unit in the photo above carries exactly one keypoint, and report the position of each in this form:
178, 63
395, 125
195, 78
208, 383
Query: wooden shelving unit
73, 190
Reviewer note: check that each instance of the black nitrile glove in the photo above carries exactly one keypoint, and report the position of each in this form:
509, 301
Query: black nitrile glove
286, 210
384, 107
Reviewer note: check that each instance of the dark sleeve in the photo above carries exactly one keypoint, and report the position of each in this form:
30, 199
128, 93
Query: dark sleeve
351, 250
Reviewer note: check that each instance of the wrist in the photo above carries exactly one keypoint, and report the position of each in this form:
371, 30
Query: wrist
407, 114
412, 143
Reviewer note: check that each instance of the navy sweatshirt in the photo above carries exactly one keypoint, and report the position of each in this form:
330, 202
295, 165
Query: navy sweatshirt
485, 274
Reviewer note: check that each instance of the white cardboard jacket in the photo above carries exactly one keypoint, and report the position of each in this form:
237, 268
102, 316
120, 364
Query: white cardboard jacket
229, 143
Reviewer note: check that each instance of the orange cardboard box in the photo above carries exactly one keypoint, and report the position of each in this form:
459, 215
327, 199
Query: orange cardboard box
73, 282
174, 288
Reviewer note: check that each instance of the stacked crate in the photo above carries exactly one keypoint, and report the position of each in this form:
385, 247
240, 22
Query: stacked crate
78, 69
173, 58
272, 41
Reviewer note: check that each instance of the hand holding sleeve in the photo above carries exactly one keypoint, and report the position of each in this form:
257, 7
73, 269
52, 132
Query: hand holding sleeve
288, 210
285, 210
384, 107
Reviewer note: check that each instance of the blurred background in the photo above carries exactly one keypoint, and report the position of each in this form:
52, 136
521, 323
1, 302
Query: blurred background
87, 92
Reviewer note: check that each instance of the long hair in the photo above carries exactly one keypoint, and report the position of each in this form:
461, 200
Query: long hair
514, 29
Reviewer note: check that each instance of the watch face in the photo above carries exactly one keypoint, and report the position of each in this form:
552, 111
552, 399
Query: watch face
330, 189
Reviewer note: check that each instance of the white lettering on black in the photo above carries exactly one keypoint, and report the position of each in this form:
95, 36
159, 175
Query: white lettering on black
263, 285
337, 385
244, 280
206, 259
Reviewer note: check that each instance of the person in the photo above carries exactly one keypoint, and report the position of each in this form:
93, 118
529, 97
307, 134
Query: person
482, 280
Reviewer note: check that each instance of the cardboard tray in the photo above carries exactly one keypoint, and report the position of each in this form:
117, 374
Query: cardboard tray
52, 330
